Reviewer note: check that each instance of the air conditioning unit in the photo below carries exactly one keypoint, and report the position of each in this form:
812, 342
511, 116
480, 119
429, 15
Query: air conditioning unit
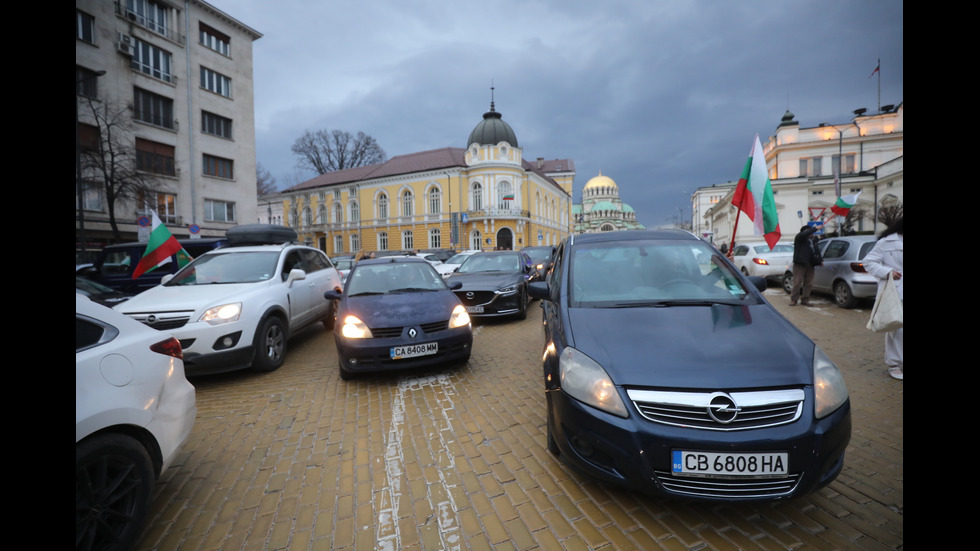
127, 45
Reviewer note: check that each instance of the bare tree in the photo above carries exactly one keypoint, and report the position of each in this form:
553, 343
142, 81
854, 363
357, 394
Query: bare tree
890, 212
109, 156
327, 151
265, 183
853, 219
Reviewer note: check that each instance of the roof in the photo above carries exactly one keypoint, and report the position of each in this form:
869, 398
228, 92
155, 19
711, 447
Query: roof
492, 130
402, 164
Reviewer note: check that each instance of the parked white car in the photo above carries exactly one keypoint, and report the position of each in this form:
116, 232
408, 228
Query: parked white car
236, 307
447, 268
756, 259
134, 409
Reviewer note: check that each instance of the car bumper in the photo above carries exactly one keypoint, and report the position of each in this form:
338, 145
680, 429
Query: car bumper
637, 453
174, 417
865, 287
370, 355
487, 304
768, 272
215, 348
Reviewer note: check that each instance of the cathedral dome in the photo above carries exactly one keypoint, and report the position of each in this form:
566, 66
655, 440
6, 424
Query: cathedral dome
600, 181
492, 130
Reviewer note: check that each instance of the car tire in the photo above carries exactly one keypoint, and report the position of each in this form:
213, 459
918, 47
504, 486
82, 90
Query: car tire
114, 481
270, 345
330, 320
522, 309
787, 282
345, 375
843, 295
552, 443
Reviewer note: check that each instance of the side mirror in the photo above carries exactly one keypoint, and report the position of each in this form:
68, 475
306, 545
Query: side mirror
332, 295
295, 274
455, 285
538, 289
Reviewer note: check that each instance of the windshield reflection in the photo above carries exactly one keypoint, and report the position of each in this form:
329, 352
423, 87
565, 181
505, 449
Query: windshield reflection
218, 268
398, 277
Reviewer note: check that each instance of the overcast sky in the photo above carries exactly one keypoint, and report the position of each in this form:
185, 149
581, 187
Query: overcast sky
661, 96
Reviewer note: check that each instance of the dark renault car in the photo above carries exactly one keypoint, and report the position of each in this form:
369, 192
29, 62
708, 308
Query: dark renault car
398, 313
494, 283
666, 371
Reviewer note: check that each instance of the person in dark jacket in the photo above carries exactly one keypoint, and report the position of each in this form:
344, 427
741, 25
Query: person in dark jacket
805, 258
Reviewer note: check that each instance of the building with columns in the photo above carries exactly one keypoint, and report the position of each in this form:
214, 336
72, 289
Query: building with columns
601, 209
482, 196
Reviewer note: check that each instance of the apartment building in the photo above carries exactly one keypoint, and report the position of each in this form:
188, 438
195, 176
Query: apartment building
168, 86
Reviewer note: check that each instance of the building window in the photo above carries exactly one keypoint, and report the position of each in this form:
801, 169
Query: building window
338, 244
476, 240
152, 61
149, 14
505, 195
155, 157
293, 217
91, 196
215, 40
216, 166
355, 212
153, 108
382, 241
219, 211
215, 82
407, 199
810, 166
216, 125
86, 82
338, 213
435, 239
435, 200
408, 241
355, 242
307, 216
165, 205
84, 27
477, 197
382, 207
849, 164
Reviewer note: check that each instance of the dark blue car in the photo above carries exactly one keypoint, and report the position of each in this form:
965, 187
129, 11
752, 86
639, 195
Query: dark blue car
398, 313
666, 371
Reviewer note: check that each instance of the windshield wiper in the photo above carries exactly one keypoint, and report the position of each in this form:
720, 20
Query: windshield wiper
366, 293
410, 290
676, 302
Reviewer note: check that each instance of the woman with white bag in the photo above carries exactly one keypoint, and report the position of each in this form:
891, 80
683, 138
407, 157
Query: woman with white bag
884, 261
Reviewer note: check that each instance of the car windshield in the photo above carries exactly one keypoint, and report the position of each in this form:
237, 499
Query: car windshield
396, 277
458, 258
539, 254
491, 263
777, 249
238, 267
651, 273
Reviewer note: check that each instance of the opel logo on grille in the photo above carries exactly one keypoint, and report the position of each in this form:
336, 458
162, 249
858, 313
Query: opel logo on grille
412, 332
151, 319
469, 294
722, 408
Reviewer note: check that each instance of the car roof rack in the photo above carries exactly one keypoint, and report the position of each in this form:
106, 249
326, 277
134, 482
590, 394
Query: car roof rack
260, 234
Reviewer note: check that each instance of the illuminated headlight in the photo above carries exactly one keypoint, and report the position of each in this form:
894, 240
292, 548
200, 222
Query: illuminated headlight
354, 328
540, 266
585, 380
828, 384
459, 317
225, 313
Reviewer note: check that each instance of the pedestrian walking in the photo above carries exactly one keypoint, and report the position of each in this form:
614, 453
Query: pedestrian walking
805, 258
885, 261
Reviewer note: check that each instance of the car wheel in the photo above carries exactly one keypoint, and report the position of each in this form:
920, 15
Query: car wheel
113, 485
270, 345
843, 295
330, 320
345, 374
788, 282
522, 309
552, 443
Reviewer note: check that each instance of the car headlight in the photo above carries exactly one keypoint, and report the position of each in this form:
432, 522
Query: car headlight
585, 380
226, 313
828, 384
459, 317
507, 289
354, 328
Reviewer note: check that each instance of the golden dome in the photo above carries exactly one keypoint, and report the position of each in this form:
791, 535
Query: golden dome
600, 181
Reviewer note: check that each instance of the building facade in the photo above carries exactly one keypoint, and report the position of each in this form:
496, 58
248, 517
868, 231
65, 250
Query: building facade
179, 77
809, 168
484, 196
601, 209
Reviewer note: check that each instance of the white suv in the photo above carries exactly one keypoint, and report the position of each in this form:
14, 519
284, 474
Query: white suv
236, 307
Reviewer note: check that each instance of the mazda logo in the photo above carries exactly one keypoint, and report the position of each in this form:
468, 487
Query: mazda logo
722, 408
469, 294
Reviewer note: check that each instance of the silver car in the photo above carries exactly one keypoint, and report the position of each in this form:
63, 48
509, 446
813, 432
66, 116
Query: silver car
842, 273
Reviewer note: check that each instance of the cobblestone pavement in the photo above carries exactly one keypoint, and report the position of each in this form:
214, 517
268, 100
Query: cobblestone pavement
457, 459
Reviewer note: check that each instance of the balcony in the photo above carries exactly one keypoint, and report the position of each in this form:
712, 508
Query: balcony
497, 213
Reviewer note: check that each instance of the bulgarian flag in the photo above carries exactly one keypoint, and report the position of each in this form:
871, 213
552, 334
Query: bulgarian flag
753, 195
160, 247
844, 204
509, 197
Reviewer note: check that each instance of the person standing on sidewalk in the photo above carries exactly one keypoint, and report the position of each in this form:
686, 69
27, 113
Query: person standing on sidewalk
885, 261
805, 258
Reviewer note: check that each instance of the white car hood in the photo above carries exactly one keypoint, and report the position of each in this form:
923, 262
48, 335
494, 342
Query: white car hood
190, 297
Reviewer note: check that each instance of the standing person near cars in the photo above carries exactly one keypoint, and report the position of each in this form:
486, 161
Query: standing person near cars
885, 261
805, 258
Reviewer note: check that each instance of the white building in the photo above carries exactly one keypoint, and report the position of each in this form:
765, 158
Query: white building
181, 73
803, 168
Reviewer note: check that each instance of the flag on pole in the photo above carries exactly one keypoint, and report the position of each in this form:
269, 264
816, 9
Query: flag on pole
753, 195
159, 248
877, 68
844, 204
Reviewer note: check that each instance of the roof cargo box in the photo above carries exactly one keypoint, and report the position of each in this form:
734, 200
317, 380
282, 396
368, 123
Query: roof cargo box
260, 234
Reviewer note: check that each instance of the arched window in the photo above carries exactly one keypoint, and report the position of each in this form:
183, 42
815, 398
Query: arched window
477, 201
407, 203
382, 206
321, 214
408, 242
435, 239
355, 212
435, 200
355, 242
307, 216
383, 241
338, 244
338, 213
505, 195
476, 240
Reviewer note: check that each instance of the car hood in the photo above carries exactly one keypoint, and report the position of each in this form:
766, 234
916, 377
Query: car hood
400, 309
485, 280
697, 347
188, 297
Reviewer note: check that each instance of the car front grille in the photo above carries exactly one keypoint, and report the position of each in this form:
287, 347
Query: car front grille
730, 488
392, 332
719, 410
475, 298
162, 321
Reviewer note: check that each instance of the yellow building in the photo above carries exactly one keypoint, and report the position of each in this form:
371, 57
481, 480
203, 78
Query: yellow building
484, 196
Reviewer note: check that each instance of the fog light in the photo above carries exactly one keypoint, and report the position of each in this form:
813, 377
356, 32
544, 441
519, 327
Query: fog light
227, 341
352, 361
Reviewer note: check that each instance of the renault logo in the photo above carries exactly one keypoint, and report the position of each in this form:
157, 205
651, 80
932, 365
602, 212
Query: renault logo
412, 332
722, 408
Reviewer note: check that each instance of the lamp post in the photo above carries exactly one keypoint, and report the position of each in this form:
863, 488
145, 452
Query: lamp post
840, 156
78, 161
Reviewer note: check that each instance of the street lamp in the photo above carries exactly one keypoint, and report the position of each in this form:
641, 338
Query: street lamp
78, 160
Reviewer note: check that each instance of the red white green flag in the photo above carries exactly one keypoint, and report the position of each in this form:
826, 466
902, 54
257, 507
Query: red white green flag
160, 247
753, 196
844, 204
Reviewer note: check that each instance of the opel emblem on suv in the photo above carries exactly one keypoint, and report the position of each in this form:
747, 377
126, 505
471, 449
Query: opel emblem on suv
722, 408
412, 332
469, 294
151, 319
